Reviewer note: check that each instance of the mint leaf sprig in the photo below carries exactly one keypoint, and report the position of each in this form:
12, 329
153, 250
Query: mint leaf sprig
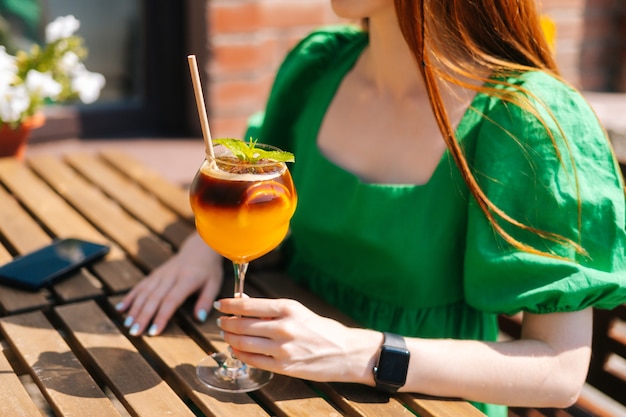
247, 151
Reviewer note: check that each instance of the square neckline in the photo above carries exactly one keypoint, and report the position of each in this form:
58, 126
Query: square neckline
347, 61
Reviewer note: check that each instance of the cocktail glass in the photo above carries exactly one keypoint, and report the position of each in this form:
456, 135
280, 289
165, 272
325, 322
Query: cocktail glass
242, 210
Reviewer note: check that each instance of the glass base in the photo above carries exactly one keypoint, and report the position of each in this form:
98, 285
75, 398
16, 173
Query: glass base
222, 373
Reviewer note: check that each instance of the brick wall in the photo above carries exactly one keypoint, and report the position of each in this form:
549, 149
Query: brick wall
590, 42
247, 39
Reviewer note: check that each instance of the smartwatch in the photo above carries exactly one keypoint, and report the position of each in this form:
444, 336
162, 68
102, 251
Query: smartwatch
393, 363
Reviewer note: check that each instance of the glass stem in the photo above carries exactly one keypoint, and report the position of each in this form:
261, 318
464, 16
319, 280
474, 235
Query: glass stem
230, 366
240, 275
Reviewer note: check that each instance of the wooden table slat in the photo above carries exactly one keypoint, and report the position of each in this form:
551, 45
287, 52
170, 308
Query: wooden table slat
46, 204
64, 381
64, 221
18, 228
170, 194
135, 200
435, 407
127, 373
138, 241
178, 353
15, 399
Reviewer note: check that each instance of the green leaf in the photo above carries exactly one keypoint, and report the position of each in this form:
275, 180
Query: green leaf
247, 151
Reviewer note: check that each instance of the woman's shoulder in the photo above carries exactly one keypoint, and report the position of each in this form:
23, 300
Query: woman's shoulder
541, 100
323, 46
329, 38
545, 90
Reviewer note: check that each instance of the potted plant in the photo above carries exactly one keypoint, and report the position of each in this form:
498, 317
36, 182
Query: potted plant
50, 73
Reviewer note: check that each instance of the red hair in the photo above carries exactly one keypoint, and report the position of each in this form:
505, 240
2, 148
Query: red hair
491, 36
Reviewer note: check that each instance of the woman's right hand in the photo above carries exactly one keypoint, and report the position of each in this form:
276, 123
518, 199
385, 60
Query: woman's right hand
154, 300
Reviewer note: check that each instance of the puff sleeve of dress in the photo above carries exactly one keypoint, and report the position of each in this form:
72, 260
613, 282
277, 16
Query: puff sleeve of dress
573, 190
297, 75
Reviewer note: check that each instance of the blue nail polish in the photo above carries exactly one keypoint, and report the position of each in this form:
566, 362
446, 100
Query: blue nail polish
202, 315
129, 321
119, 306
134, 331
153, 330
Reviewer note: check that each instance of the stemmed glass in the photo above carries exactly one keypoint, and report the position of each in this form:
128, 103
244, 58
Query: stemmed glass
242, 210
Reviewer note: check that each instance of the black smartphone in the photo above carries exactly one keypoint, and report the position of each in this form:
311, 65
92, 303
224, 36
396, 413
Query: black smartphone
47, 265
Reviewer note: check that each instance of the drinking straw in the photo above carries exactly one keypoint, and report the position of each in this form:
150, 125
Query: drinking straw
204, 120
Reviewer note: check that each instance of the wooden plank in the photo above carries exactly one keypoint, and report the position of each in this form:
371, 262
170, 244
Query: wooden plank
598, 403
24, 235
64, 221
67, 386
136, 239
14, 399
437, 407
179, 354
136, 201
170, 194
363, 401
130, 377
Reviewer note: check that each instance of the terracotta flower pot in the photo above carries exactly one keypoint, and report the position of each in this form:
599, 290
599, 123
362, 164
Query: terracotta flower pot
13, 141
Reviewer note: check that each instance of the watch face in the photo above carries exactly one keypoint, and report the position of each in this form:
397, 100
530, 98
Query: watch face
392, 365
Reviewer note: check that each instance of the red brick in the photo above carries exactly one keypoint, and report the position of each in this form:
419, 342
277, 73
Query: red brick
239, 97
249, 53
232, 16
229, 127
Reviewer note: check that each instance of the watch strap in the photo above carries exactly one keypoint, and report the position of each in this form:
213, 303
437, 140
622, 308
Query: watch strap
394, 340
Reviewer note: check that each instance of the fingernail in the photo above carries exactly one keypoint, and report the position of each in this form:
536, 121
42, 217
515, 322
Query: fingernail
134, 331
219, 322
119, 306
128, 322
217, 305
222, 334
202, 315
153, 330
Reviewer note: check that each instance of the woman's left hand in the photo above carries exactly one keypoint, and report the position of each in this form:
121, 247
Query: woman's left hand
285, 337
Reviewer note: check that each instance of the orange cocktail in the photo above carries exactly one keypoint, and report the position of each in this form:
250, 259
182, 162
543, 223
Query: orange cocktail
242, 210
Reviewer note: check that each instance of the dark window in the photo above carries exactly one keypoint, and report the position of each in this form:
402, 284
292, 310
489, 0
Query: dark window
138, 45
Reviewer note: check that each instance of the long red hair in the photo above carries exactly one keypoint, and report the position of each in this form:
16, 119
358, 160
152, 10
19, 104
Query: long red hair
480, 37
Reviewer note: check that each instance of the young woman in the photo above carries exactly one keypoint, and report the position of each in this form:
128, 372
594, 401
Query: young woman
445, 174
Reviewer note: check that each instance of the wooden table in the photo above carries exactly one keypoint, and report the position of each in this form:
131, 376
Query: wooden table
66, 351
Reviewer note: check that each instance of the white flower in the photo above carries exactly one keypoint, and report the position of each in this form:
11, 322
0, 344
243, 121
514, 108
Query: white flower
69, 62
8, 69
24, 86
42, 84
87, 84
7, 62
13, 102
61, 27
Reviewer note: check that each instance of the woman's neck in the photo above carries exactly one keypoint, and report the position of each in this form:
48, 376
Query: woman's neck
388, 62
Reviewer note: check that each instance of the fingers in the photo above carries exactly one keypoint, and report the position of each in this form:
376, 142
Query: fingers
150, 298
153, 302
206, 298
257, 307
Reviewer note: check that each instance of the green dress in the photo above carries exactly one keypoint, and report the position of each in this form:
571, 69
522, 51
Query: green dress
422, 260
